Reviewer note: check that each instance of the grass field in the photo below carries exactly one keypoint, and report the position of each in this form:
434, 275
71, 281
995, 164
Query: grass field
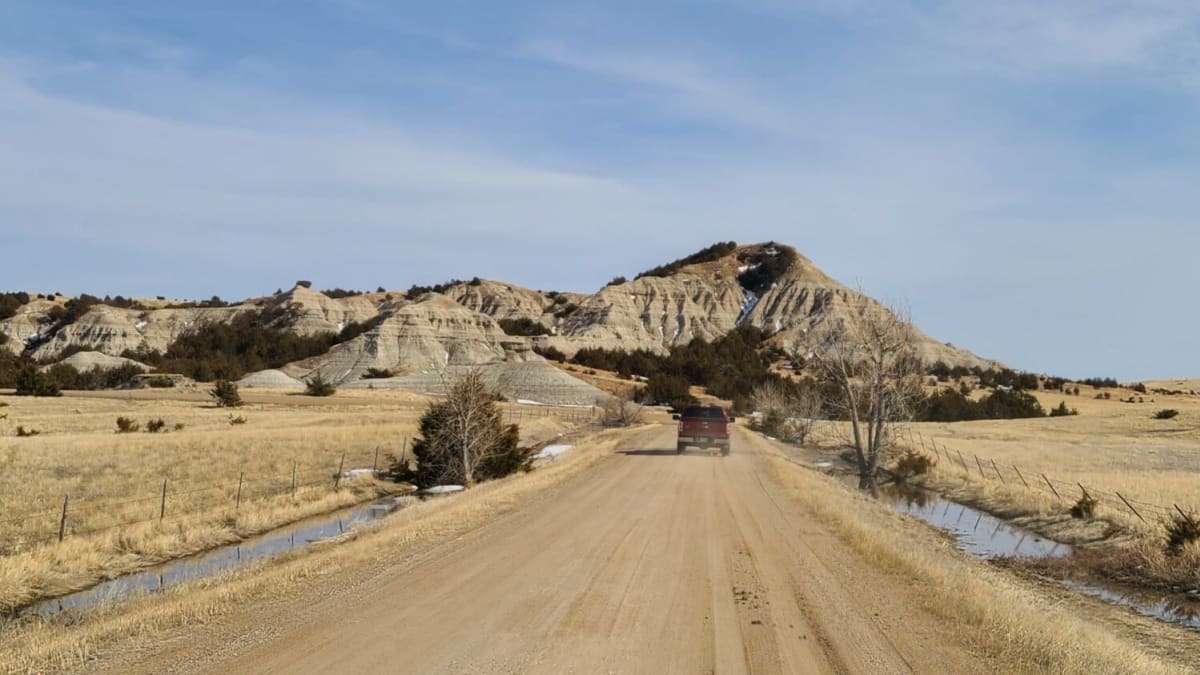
117, 519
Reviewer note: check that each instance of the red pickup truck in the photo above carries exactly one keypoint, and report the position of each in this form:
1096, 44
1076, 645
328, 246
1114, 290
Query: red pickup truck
704, 426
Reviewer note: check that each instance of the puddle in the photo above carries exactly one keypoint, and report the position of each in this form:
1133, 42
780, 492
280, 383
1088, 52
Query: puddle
1182, 610
982, 535
985, 536
268, 545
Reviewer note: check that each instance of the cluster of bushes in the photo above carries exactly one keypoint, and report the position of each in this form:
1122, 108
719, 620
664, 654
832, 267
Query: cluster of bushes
707, 254
949, 405
248, 343
212, 303
552, 353
417, 290
990, 377
129, 425
729, 367
11, 302
1100, 382
765, 266
522, 326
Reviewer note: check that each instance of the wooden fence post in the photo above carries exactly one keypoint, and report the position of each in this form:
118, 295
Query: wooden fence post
1014, 466
338, 478
1135, 511
998, 471
964, 463
62, 524
980, 465
1051, 487
162, 509
238, 502
375, 464
293, 478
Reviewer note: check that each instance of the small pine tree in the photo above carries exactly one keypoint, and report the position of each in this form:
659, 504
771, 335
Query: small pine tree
225, 394
319, 386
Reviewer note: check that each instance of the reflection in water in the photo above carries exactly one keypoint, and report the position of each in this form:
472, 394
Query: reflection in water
217, 560
988, 537
975, 532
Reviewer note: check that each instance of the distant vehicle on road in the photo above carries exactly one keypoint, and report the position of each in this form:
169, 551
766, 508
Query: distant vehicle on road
704, 426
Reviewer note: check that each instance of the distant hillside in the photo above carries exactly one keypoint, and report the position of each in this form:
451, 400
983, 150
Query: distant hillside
385, 336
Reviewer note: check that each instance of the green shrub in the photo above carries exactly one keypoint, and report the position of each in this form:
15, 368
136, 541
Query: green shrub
1085, 507
1166, 414
551, 353
319, 386
523, 326
225, 394
1182, 529
377, 374
1062, 410
155, 426
126, 425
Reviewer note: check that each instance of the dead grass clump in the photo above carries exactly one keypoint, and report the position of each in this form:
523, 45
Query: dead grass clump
1183, 529
913, 462
126, 425
22, 432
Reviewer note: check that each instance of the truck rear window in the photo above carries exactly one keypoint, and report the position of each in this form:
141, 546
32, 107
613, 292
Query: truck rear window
704, 412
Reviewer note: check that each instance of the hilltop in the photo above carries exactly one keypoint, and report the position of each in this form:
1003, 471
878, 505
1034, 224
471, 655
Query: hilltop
418, 338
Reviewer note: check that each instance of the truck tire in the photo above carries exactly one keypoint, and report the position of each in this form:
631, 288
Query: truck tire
679, 448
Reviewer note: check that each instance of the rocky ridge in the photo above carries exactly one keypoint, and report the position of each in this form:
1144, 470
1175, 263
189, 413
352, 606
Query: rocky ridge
425, 337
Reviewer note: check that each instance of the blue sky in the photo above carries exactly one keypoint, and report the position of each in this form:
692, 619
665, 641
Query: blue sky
1022, 174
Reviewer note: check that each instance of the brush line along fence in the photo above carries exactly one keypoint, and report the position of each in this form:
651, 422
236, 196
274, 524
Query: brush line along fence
1068, 492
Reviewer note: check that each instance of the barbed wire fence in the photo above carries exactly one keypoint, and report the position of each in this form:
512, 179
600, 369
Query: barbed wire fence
973, 467
169, 500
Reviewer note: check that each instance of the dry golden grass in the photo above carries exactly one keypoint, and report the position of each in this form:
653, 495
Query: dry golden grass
1002, 618
70, 642
115, 480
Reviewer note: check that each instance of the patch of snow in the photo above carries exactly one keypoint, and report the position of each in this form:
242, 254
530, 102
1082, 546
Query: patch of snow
551, 451
352, 473
823, 465
525, 401
746, 268
341, 326
140, 326
442, 489
747, 307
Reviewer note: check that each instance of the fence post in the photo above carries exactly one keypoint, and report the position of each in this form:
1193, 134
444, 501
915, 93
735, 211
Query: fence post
980, 465
62, 524
238, 503
964, 463
1014, 466
293, 478
998, 471
162, 509
375, 464
404, 453
338, 478
1135, 511
1051, 487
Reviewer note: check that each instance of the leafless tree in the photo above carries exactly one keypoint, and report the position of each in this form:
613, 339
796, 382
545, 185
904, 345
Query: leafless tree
789, 414
618, 411
869, 353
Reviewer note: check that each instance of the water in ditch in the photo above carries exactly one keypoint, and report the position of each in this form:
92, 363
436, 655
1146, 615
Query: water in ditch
273, 543
986, 537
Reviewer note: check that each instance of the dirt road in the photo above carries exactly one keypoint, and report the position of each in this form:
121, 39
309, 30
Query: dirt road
649, 563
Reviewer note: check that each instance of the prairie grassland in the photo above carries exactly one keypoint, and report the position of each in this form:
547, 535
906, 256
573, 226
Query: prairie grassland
115, 481
1109, 447
69, 642
999, 616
